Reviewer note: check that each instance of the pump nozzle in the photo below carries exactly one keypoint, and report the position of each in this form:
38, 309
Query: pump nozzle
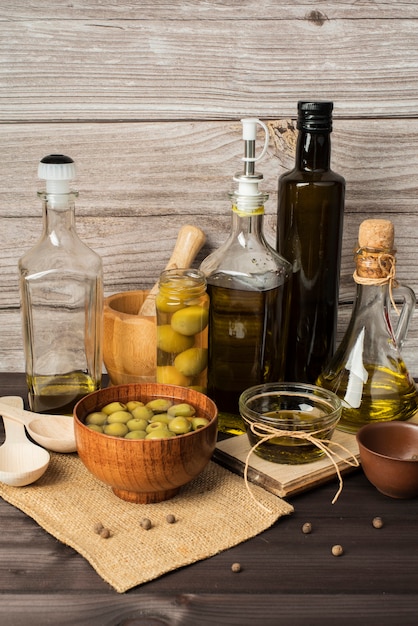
249, 135
249, 179
57, 170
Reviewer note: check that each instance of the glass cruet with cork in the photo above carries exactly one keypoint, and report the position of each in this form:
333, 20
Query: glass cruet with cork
367, 370
246, 282
61, 287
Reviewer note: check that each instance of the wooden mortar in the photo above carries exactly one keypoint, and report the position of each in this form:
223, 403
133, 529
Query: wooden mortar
129, 320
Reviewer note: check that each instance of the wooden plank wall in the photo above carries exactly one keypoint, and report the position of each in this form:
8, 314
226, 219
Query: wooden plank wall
147, 98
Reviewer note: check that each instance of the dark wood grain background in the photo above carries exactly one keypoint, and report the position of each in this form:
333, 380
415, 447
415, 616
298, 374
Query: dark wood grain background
147, 98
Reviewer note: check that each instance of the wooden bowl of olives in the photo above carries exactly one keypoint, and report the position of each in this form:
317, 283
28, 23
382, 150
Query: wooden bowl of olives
145, 440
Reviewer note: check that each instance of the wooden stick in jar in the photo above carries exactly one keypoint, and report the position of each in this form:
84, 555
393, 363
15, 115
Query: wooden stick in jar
189, 241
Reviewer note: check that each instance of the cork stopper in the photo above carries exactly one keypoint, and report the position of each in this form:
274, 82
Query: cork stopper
375, 257
377, 234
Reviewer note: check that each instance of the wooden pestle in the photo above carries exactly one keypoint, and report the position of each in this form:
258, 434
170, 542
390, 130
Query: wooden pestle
189, 241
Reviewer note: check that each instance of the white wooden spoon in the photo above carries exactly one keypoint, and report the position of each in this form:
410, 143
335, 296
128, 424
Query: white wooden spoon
21, 461
53, 432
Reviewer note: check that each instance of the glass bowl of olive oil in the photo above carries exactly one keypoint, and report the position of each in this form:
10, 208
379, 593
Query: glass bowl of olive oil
289, 422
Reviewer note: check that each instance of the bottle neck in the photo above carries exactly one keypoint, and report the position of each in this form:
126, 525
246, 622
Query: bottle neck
313, 150
247, 225
58, 213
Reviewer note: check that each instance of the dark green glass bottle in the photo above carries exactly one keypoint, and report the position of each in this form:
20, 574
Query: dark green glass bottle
309, 234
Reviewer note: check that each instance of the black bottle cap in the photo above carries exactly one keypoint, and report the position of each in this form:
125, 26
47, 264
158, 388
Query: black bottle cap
315, 116
57, 159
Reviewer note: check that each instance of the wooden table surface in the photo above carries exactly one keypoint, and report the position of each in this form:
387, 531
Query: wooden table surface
287, 577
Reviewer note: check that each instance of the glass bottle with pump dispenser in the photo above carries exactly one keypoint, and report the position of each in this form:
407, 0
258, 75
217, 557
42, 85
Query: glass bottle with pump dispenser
367, 371
246, 282
61, 286
309, 236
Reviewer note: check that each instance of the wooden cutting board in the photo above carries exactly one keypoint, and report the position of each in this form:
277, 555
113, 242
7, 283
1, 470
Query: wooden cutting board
282, 479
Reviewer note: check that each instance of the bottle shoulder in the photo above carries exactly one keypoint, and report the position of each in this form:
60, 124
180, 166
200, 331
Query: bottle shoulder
70, 256
302, 176
257, 264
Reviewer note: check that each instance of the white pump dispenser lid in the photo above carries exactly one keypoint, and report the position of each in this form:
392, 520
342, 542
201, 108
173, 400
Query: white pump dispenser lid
248, 180
57, 170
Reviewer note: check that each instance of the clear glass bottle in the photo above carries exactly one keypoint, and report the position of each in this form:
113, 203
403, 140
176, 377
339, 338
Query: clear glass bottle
309, 235
246, 281
367, 371
182, 306
61, 287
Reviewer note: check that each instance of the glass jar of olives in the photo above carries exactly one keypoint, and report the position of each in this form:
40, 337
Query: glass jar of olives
182, 305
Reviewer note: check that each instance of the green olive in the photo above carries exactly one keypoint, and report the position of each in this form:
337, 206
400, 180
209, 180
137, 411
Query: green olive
136, 434
119, 416
190, 320
167, 306
155, 426
132, 404
180, 425
97, 418
95, 427
137, 424
112, 407
142, 412
161, 417
159, 433
159, 405
199, 422
117, 429
169, 375
191, 362
168, 340
183, 409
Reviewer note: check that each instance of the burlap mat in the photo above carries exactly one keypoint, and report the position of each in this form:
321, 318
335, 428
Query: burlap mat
214, 512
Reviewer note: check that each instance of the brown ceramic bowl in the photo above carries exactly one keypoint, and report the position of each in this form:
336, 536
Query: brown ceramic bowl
145, 470
129, 339
389, 457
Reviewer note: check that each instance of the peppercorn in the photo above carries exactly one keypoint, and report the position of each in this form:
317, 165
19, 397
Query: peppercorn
170, 518
337, 550
146, 523
236, 567
377, 522
307, 528
105, 533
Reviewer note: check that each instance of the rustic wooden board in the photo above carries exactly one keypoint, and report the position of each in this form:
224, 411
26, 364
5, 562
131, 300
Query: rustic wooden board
136, 186
281, 479
147, 97
185, 62
130, 207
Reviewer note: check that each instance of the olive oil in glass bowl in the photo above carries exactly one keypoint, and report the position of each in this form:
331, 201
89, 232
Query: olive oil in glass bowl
299, 412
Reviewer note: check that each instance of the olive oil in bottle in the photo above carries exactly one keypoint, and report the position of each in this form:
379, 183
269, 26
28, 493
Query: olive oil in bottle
61, 288
246, 282
58, 394
367, 371
245, 347
309, 236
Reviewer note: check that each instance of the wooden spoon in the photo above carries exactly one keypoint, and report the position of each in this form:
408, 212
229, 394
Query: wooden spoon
54, 432
189, 241
21, 461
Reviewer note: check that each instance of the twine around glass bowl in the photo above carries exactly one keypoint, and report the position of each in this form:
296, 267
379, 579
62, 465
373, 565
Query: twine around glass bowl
266, 433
